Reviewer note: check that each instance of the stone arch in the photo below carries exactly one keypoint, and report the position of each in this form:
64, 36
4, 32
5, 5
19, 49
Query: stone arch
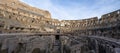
11, 28
36, 50
57, 37
18, 48
101, 49
10, 16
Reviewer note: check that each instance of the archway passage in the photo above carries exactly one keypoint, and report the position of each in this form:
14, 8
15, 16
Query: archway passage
36, 50
102, 49
57, 37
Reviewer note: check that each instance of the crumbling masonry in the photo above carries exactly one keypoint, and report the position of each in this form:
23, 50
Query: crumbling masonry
26, 29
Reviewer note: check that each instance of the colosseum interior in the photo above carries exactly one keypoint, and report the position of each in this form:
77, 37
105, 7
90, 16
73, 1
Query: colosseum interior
26, 29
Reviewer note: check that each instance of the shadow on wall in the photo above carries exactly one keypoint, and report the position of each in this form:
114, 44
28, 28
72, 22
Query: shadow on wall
36, 50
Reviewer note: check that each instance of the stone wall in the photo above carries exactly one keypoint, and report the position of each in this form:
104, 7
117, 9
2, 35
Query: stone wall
18, 4
25, 44
98, 35
91, 35
107, 20
21, 18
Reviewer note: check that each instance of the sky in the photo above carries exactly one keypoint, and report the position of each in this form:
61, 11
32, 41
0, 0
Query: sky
75, 9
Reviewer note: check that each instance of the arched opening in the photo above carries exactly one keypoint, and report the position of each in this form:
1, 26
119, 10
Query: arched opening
17, 28
22, 28
102, 49
33, 20
36, 50
19, 48
57, 37
10, 17
113, 46
11, 28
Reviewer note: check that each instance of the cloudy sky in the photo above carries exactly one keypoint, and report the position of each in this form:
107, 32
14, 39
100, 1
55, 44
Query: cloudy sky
75, 9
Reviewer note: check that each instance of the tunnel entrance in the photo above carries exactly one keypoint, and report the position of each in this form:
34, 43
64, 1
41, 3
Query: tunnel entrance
57, 37
101, 49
